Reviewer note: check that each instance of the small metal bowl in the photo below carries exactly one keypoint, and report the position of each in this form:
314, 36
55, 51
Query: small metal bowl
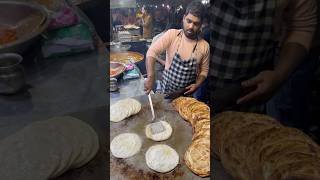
120, 47
8, 60
119, 67
12, 77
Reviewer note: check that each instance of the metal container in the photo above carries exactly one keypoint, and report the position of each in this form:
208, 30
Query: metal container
113, 84
120, 47
12, 77
28, 19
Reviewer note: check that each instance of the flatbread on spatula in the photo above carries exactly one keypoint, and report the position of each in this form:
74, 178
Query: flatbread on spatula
164, 135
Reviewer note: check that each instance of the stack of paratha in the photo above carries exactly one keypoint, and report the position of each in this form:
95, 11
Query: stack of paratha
124, 108
197, 156
254, 146
46, 149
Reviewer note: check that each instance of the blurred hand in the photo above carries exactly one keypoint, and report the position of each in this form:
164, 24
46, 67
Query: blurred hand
190, 89
264, 85
148, 84
162, 62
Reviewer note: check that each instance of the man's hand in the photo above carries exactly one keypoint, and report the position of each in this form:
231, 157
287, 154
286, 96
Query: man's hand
162, 62
190, 89
148, 84
264, 84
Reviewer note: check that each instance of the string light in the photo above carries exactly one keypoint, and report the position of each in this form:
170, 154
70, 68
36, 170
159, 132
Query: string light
205, 2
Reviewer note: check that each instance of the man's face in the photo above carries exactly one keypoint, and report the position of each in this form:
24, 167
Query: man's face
191, 26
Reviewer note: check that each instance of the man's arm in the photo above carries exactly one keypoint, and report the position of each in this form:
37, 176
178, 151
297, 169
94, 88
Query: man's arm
193, 87
161, 61
148, 84
154, 51
291, 55
300, 30
204, 68
267, 82
154, 39
200, 80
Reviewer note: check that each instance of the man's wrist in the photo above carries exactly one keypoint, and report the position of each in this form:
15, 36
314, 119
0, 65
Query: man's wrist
197, 85
200, 80
279, 76
151, 76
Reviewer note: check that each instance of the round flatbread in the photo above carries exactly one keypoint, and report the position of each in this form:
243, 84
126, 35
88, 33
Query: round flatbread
197, 157
162, 158
117, 114
125, 145
159, 136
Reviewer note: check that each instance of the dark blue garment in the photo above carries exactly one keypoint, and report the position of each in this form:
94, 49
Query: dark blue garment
206, 34
201, 93
290, 103
158, 27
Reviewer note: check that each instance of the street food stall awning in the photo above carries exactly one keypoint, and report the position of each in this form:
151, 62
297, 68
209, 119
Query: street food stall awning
122, 4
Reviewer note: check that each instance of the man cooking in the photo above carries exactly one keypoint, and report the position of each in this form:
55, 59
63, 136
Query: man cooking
187, 59
246, 36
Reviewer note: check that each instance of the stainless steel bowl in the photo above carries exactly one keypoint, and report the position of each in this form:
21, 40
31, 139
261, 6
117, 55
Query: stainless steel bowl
28, 19
120, 47
12, 78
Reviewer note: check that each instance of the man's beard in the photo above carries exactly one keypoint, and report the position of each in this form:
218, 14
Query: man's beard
190, 34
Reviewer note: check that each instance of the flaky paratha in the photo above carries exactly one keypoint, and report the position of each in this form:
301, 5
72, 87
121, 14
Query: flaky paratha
197, 156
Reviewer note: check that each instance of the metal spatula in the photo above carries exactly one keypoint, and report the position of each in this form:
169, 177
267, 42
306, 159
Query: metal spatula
175, 94
156, 126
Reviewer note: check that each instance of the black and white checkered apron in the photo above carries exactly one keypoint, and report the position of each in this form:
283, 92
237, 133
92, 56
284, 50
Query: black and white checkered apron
181, 73
242, 42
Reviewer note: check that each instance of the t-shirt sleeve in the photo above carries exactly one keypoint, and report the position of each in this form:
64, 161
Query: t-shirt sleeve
300, 17
204, 67
161, 44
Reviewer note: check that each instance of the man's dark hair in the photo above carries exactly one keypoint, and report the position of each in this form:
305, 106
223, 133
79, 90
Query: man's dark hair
197, 9
147, 9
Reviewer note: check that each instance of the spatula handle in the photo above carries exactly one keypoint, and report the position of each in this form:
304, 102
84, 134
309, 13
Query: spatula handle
151, 106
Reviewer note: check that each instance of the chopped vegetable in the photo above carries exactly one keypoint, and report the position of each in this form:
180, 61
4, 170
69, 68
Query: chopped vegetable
7, 35
113, 72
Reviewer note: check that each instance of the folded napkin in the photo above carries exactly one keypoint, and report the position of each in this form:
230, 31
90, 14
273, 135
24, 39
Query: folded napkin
67, 41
